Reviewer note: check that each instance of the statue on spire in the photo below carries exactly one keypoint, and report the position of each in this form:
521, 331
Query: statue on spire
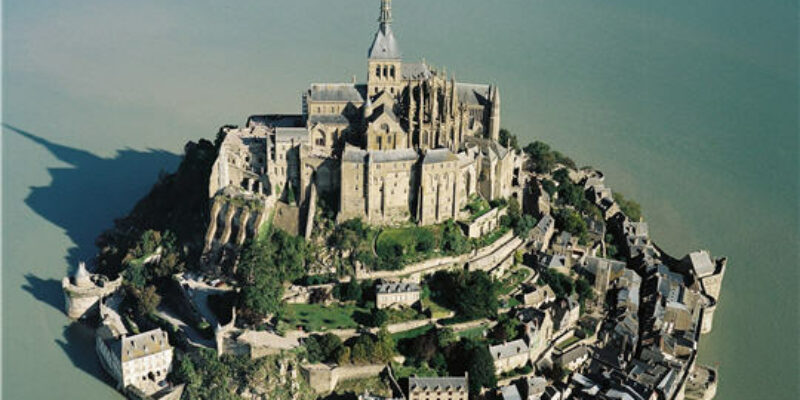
386, 14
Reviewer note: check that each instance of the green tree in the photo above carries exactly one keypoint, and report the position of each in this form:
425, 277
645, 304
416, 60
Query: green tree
384, 346
453, 240
445, 337
561, 284
362, 350
471, 294
524, 226
379, 317
629, 207
507, 329
348, 291
262, 297
570, 221
541, 157
549, 187
329, 345
481, 370
507, 139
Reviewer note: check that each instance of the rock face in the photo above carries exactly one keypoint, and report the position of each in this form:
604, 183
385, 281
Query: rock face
83, 291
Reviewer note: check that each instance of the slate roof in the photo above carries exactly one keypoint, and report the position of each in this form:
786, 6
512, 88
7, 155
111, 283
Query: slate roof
702, 264
289, 134
380, 110
508, 349
141, 345
415, 71
574, 354
384, 46
337, 92
438, 156
354, 154
436, 383
380, 156
510, 392
472, 93
329, 119
397, 287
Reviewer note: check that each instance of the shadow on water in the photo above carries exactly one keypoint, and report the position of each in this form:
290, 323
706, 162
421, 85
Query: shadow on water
83, 199
86, 197
77, 341
47, 291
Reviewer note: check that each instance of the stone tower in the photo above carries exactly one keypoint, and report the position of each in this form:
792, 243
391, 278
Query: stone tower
84, 291
384, 61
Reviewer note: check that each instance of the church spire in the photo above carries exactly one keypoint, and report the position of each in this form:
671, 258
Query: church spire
386, 15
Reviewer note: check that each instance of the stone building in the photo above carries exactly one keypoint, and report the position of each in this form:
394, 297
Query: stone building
394, 294
509, 355
142, 361
83, 291
410, 144
442, 388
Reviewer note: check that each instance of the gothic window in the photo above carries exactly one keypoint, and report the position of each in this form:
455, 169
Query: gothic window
378, 71
384, 71
391, 71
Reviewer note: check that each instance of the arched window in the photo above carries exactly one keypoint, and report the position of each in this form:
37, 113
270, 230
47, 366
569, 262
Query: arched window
384, 71
320, 138
391, 71
378, 71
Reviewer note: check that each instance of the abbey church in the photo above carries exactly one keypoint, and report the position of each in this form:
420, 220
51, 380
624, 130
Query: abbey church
410, 144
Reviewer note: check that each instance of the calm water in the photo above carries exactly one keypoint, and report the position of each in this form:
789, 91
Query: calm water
689, 107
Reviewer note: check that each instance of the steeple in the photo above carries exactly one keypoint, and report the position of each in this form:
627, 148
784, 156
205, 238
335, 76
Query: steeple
386, 15
384, 46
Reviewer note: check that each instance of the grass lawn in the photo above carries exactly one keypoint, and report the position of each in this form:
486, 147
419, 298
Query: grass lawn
373, 384
473, 333
414, 242
569, 342
411, 333
437, 310
404, 371
403, 314
318, 318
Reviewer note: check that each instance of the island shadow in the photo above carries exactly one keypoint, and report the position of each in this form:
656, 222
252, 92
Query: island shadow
86, 197
78, 343
83, 199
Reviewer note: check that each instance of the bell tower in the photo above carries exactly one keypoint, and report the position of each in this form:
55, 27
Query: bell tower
384, 61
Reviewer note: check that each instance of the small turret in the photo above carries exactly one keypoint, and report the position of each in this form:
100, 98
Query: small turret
82, 277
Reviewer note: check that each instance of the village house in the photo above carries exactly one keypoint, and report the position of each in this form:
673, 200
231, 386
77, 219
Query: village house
538, 327
535, 387
142, 361
542, 232
396, 293
442, 388
572, 358
510, 392
565, 314
511, 355
535, 296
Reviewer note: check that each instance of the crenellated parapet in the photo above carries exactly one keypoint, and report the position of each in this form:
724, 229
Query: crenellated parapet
84, 290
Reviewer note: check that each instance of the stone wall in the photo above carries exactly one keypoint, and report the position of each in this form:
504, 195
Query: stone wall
323, 378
